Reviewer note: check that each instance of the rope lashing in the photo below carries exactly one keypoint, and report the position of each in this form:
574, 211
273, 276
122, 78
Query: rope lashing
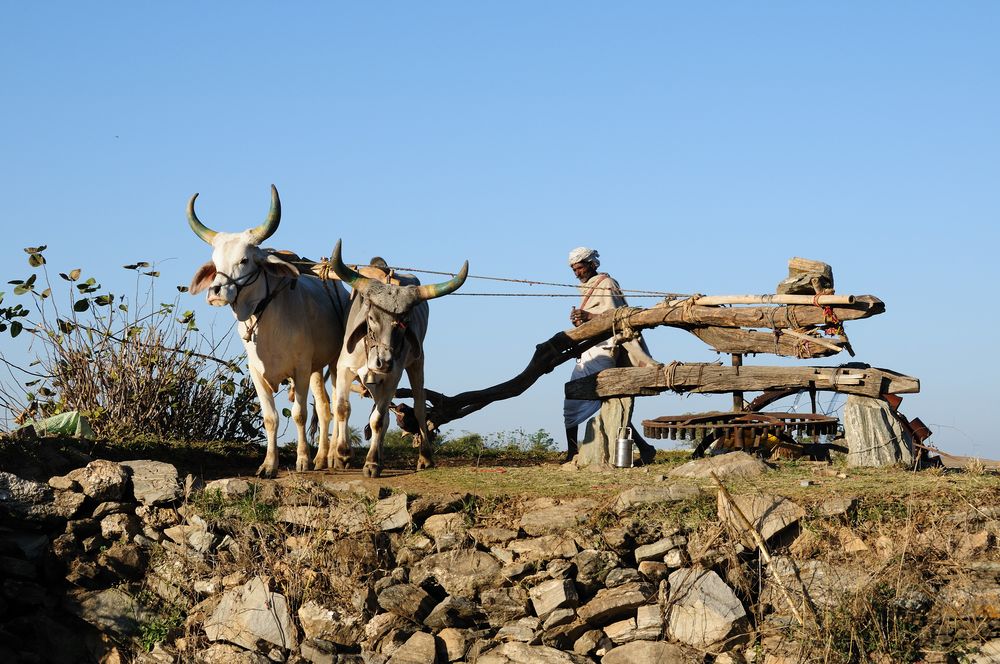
670, 375
688, 304
621, 327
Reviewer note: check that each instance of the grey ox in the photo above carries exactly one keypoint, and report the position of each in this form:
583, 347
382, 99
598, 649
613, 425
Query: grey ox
384, 335
291, 324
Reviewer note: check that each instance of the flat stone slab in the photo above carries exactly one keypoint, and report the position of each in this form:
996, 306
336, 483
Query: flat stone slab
391, 513
251, 613
447, 530
462, 572
555, 519
553, 594
418, 649
730, 465
505, 605
407, 600
545, 547
112, 610
703, 609
652, 652
768, 514
153, 482
521, 653
649, 495
611, 604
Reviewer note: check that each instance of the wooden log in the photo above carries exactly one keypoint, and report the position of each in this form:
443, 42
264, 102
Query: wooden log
826, 343
714, 378
680, 314
736, 340
774, 298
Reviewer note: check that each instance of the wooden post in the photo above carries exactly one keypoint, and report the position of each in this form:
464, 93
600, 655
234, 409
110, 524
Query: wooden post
738, 403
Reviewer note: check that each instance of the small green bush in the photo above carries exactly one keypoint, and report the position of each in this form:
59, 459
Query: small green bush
138, 369
514, 444
247, 509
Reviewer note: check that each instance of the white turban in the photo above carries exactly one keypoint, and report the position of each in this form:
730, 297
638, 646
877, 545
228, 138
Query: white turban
581, 254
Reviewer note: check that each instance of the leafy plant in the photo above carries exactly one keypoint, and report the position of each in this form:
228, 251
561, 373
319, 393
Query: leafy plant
248, 508
516, 444
136, 367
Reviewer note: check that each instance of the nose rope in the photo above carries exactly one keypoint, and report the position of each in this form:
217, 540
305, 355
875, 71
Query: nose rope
394, 350
240, 283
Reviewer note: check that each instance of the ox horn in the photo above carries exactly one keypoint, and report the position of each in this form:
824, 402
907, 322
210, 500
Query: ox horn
200, 229
266, 230
431, 291
346, 274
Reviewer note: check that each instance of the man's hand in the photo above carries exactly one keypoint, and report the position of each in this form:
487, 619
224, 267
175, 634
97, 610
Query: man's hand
578, 317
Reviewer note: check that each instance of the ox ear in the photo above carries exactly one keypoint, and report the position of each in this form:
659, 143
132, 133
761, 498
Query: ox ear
277, 267
357, 334
202, 278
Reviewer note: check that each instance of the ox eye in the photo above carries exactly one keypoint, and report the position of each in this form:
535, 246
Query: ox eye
243, 261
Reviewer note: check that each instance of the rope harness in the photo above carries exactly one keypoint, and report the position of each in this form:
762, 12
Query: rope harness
396, 337
269, 296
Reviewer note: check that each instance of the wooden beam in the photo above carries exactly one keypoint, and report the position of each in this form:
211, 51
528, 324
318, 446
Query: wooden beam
787, 344
774, 298
678, 314
715, 378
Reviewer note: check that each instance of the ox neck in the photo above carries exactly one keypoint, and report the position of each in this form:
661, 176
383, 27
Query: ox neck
243, 308
270, 294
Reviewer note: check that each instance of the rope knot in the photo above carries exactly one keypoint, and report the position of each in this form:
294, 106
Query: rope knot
621, 327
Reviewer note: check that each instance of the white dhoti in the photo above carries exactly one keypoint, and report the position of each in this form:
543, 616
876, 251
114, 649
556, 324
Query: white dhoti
578, 411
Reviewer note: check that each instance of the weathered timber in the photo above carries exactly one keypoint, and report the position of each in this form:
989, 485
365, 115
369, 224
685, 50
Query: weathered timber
715, 378
567, 345
547, 356
786, 343
680, 314
775, 298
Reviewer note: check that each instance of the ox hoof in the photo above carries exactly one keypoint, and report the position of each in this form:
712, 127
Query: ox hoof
319, 463
341, 464
371, 470
424, 464
302, 465
266, 471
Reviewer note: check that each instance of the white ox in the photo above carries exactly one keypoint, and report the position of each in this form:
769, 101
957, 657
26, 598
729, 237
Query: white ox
291, 324
384, 335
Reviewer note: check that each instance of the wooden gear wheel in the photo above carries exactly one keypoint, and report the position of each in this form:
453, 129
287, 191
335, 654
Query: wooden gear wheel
763, 433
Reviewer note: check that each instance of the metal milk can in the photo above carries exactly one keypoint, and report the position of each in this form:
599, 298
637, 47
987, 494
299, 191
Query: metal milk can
623, 450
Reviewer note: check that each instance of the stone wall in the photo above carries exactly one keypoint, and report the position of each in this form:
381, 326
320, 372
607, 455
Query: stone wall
128, 562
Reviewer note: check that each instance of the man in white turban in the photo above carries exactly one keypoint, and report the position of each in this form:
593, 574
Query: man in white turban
600, 293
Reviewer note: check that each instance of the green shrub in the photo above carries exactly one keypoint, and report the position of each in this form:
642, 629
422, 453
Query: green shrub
136, 368
513, 444
247, 509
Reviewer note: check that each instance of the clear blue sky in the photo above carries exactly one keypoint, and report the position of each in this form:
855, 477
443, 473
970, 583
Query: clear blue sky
697, 146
